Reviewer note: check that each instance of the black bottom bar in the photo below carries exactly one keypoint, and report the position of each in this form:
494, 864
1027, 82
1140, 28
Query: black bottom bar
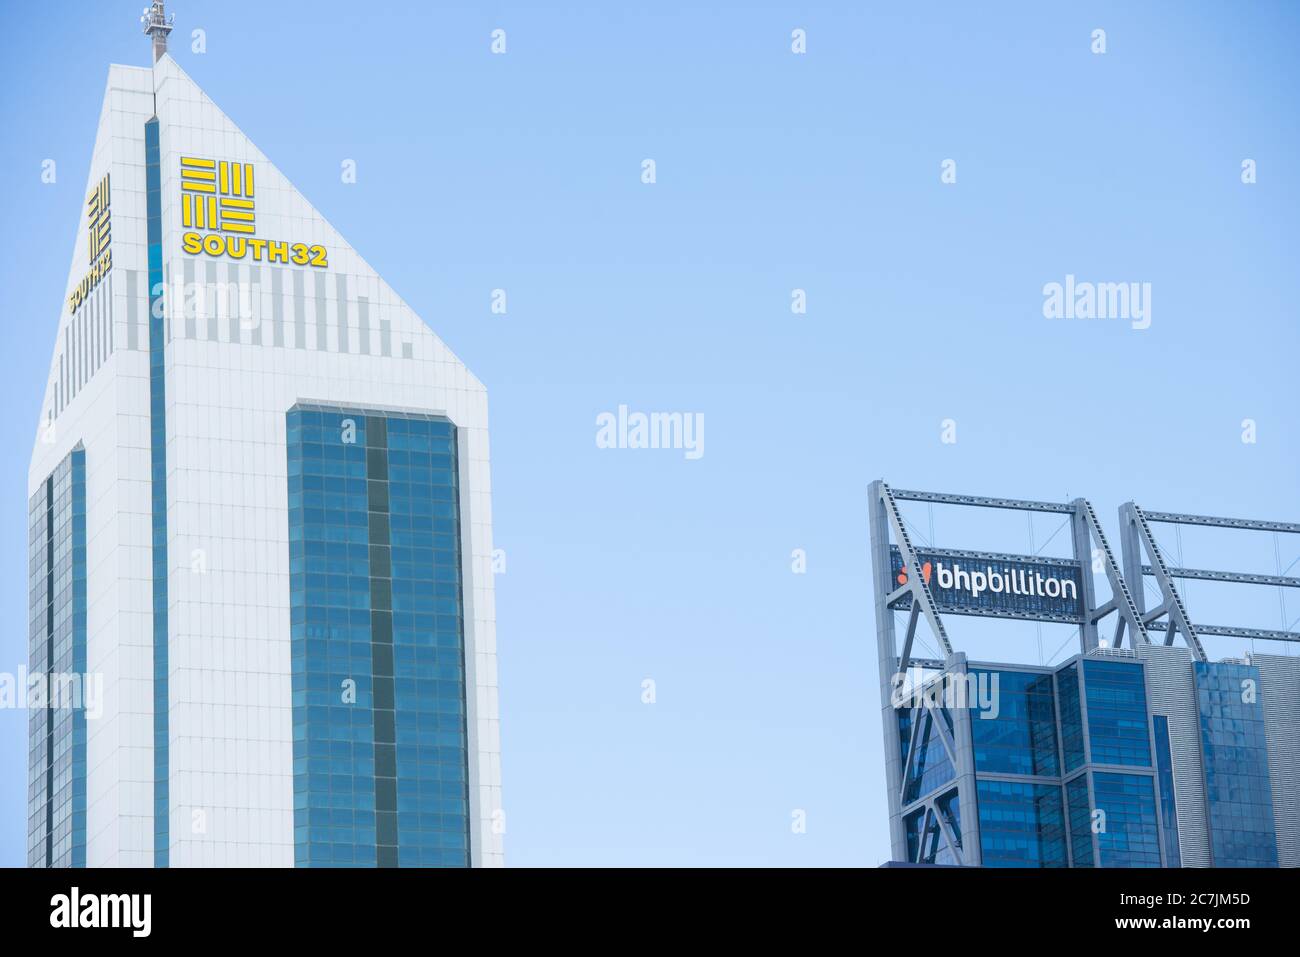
967, 907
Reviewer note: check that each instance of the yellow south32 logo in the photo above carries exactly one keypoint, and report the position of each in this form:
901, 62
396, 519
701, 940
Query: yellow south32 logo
219, 197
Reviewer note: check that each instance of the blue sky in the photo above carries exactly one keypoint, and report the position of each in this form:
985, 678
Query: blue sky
775, 171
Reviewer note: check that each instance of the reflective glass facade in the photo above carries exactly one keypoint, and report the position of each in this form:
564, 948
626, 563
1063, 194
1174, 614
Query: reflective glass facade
1067, 683
1165, 782
950, 809
927, 831
1072, 730
1038, 717
1020, 736
1235, 759
1118, 732
1079, 809
931, 769
1128, 835
1021, 824
56, 797
380, 743
158, 493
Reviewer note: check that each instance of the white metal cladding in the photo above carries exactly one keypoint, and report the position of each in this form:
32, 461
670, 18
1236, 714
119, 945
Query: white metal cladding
1169, 680
1279, 678
339, 335
273, 306
231, 379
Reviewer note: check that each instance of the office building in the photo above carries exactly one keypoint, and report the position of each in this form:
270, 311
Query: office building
260, 526
1136, 751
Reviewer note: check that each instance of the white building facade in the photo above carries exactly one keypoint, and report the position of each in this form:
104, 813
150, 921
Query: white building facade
261, 520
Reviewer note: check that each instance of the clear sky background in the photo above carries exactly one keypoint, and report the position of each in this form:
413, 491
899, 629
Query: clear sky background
775, 171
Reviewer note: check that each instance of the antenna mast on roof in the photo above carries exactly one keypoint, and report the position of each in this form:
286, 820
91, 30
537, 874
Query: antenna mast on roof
156, 26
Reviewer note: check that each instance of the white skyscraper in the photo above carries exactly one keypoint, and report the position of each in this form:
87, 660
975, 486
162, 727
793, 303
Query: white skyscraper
261, 526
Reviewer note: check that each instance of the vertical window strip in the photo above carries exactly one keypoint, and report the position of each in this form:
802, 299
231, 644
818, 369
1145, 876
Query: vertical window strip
158, 469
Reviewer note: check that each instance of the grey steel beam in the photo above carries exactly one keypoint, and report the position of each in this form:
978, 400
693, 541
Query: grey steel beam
939, 732
964, 766
1174, 518
1232, 631
1136, 521
915, 580
888, 666
980, 501
1245, 578
946, 826
1009, 613
1129, 615
1000, 556
925, 833
949, 745
1081, 538
910, 638
1154, 614
918, 717
1101, 611
1130, 544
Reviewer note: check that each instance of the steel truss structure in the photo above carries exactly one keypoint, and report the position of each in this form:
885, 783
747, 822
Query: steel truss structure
952, 728
1143, 559
925, 818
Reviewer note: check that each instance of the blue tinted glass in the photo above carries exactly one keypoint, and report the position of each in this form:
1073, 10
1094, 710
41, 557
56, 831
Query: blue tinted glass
1013, 722
931, 832
380, 743
158, 493
949, 808
913, 824
1117, 713
1080, 811
1021, 824
1067, 683
1127, 836
1165, 781
1235, 757
930, 768
56, 812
